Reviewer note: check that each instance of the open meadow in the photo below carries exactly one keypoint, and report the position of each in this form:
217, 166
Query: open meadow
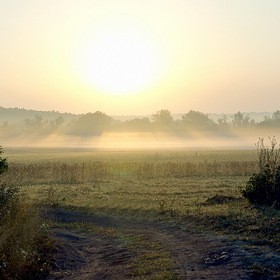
144, 184
142, 206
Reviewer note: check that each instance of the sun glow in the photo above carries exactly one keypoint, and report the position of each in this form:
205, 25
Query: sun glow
120, 59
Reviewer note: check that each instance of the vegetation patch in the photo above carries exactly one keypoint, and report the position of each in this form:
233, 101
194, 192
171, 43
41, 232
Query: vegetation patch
220, 199
263, 188
201, 192
24, 245
151, 261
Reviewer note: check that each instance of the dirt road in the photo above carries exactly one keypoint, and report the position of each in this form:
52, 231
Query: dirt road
92, 246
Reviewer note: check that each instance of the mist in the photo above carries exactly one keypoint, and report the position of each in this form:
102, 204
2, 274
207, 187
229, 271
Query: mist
156, 131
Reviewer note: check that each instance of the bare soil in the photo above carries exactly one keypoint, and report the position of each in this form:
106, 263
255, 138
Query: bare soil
93, 254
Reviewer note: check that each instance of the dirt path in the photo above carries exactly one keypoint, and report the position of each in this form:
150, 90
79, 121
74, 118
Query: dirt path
114, 248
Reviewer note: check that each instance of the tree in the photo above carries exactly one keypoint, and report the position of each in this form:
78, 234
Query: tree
276, 116
198, 120
273, 121
138, 124
91, 124
240, 120
223, 122
162, 118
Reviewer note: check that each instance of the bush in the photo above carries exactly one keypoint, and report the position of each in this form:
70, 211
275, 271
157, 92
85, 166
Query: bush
24, 245
3, 163
8, 194
8, 200
263, 188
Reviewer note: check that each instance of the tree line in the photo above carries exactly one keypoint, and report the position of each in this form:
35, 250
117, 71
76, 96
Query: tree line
94, 124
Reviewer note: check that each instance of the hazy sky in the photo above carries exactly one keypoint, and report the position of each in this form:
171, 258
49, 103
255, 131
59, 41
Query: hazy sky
137, 57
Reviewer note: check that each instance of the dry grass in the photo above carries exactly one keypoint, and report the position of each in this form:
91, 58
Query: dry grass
86, 167
24, 245
176, 185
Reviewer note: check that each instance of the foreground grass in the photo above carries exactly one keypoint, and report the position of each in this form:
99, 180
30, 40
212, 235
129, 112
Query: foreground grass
24, 244
199, 190
210, 203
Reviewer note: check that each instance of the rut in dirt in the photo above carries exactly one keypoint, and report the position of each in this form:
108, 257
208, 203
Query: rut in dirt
99, 254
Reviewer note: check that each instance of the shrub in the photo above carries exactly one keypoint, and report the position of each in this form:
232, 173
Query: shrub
8, 194
8, 200
3, 163
24, 245
263, 188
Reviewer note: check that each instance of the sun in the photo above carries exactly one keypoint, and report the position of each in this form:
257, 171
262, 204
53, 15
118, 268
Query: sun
120, 59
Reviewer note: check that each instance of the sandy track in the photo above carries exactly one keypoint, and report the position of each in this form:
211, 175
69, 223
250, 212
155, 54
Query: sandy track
95, 255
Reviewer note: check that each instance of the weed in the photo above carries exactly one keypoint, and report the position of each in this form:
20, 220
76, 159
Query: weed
52, 198
167, 208
264, 187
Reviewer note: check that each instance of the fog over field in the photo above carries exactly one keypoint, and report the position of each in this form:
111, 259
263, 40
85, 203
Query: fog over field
194, 129
139, 139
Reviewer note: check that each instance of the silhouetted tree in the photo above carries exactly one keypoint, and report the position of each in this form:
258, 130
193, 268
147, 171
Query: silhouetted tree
223, 122
138, 124
241, 120
273, 121
198, 120
90, 124
163, 119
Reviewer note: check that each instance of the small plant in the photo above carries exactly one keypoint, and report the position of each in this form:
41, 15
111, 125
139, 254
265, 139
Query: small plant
166, 208
52, 197
3, 163
264, 187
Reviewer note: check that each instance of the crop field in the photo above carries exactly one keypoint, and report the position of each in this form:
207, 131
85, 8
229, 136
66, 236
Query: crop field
198, 190
151, 184
142, 183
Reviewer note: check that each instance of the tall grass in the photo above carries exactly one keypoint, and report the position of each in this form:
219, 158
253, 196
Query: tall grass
24, 244
198, 189
65, 172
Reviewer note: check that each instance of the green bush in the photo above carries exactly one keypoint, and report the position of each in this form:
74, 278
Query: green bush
8, 200
8, 194
3, 163
24, 244
263, 188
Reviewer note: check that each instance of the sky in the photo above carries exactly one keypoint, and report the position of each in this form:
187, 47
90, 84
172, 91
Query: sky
128, 57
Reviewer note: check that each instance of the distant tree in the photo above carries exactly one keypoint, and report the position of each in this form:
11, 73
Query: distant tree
91, 124
162, 118
276, 116
273, 121
198, 120
53, 125
34, 123
138, 124
242, 120
36, 126
223, 122
59, 121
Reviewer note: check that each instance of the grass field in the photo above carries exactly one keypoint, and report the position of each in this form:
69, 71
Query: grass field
198, 189
179, 184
